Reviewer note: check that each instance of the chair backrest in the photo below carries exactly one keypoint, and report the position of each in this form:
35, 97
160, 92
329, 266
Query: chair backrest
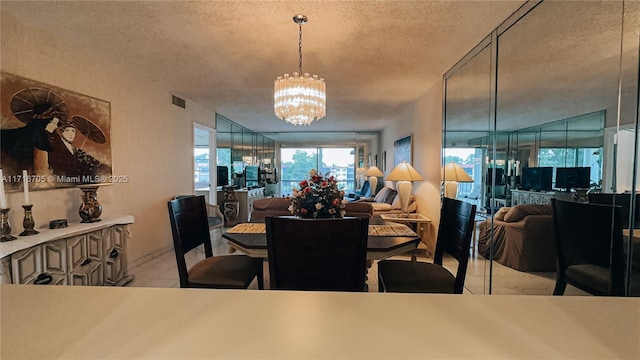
454, 236
189, 227
590, 234
317, 254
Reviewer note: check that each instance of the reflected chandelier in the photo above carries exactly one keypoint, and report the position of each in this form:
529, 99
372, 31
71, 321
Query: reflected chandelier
299, 99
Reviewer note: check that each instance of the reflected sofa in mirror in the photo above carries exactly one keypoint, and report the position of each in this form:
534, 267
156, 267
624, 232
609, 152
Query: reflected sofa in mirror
557, 88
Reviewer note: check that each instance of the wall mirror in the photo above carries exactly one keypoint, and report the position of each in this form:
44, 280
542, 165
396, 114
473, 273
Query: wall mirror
553, 87
239, 148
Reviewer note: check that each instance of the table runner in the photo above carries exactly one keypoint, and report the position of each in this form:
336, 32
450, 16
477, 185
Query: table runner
374, 230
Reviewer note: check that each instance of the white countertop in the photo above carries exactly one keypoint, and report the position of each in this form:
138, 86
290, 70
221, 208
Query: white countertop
136, 323
45, 235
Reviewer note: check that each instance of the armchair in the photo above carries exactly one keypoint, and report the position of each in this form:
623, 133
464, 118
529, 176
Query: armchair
364, 191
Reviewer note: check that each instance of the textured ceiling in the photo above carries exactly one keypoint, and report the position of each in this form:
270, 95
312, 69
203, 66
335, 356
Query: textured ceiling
377, 57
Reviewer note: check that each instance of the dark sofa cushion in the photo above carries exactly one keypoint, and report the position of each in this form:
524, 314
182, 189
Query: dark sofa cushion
359, 209
500, 214
521, 211
275, 203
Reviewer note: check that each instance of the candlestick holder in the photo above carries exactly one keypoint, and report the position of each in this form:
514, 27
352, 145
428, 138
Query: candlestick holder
5, 225
28, 223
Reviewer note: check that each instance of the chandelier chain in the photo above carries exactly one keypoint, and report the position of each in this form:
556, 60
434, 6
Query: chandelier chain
300, 49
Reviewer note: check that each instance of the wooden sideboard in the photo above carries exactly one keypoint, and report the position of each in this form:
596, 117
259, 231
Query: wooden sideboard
535, 197
246, 197
80, 254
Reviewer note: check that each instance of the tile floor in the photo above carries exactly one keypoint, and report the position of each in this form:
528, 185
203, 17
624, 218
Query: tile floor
161, 272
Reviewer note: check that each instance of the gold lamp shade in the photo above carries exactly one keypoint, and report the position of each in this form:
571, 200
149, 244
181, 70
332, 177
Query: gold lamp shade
454, 172
404, 172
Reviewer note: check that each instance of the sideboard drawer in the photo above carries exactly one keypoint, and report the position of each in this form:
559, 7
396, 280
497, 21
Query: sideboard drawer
46, 259
81, 254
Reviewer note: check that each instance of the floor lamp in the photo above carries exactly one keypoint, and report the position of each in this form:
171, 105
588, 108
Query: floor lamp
404, 174
373, 174
452, 174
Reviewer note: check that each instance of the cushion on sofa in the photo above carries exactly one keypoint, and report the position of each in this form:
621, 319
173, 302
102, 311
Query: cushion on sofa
396, 202
380, 206
413, 206
385, 195
501, 213
521, 211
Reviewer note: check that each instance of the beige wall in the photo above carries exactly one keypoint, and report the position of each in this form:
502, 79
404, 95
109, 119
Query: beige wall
151, 138
423, 119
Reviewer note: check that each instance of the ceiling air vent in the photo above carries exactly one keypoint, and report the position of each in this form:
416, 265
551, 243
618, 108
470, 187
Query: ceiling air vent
178, 102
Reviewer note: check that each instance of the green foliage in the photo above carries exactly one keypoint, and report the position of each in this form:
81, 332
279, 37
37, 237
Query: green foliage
455, 159
299, 168
223, 157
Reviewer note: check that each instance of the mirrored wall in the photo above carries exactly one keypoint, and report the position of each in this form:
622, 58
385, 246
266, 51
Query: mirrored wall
244, 158
545, 110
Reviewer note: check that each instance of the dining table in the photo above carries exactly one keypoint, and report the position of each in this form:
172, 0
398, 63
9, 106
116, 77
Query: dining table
385, 239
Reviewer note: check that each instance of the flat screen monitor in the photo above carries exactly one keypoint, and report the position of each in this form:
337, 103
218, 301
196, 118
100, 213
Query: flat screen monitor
499, 176
573, 177
251, 173
223, 175
537, 178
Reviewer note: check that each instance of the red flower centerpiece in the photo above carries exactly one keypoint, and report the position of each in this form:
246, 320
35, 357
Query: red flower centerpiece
318, 197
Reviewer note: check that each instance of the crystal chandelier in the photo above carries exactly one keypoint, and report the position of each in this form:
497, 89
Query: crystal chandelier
299, 99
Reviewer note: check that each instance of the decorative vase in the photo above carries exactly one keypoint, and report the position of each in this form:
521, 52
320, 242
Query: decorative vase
90, 210
231, 207
5, 226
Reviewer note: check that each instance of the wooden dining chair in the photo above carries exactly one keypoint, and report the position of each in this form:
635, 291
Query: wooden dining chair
589, 246
190, 230
215, 219
454, 238
317, 254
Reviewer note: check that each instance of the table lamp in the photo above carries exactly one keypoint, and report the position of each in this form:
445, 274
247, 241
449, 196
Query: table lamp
404, 174
452, 174
373, 174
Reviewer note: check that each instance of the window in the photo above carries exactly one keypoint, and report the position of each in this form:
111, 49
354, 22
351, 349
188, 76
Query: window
470, 159
573, 157
201, 167
296, 163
